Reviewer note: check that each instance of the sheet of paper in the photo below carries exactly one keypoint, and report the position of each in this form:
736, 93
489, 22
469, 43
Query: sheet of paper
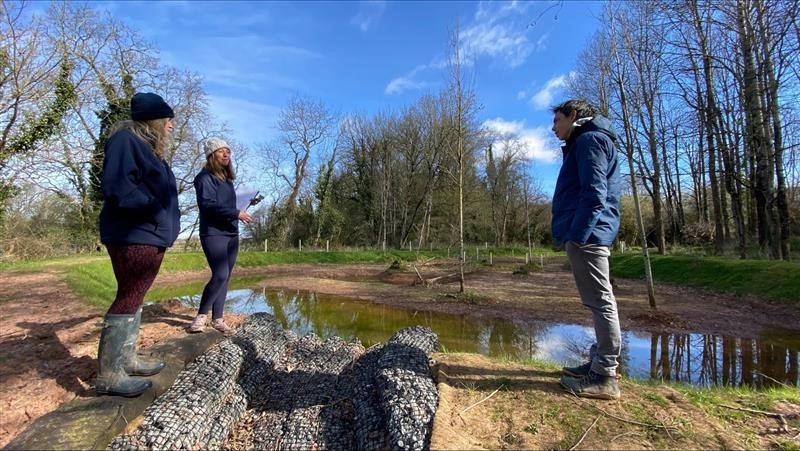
243, 196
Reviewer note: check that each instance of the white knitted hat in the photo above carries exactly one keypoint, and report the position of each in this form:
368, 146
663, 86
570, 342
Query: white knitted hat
212, 144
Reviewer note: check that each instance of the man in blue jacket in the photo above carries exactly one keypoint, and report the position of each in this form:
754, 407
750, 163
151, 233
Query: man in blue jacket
585, 222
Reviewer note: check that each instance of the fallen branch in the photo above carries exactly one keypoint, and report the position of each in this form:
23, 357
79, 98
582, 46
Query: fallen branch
420, 276
780, 416
585, 433
436, 279
774, 380
482, 400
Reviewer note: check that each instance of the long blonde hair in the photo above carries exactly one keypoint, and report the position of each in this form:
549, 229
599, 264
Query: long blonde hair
153, 132
224, 173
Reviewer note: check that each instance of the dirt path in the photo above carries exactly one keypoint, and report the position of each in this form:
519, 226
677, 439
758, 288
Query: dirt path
48, 338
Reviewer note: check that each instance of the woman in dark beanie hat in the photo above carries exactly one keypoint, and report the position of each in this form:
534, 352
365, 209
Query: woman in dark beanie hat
138, 221
219, 230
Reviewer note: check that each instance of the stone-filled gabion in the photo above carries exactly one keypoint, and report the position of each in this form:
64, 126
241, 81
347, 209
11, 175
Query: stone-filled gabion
266, 388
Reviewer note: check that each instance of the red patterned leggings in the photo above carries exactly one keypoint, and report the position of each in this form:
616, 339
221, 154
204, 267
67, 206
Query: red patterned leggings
135, 268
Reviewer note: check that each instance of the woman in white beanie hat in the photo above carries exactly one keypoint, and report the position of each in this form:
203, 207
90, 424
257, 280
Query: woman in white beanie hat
219, 231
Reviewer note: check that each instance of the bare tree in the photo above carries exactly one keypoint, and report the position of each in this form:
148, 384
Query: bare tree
503, 167
30, 110
100, 63
307, 132
616, 70
462, 105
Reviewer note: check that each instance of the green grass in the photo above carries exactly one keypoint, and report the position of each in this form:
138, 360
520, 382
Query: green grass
55, 262
774, 280
90, 276
726, 403
94, 282
192, 261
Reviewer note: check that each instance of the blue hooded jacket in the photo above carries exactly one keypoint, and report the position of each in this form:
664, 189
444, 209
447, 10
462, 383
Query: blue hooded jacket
140, 195
586, 199
216, 200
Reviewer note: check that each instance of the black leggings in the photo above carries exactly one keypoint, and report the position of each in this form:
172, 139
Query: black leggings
221, 252
135, 268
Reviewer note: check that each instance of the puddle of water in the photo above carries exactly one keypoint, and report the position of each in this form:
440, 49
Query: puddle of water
698, 359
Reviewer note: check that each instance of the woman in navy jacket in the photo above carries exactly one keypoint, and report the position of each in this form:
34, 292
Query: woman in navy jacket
138, 221
219, 231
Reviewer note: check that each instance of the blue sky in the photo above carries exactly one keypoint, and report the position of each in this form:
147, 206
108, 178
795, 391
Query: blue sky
366, 57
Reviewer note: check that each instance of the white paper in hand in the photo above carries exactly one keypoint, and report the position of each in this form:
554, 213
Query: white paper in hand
243, 196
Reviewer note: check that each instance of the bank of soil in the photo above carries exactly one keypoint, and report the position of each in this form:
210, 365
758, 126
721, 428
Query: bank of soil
48, 350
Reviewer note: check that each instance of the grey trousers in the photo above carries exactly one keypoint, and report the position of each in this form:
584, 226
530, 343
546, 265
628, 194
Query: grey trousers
592, 276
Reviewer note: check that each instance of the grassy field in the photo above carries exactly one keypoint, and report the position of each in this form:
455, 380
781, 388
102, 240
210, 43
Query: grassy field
773, 280
91, 277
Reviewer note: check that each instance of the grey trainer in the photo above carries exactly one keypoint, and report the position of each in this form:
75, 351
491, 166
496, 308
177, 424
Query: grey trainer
581, 370
592, 385
577, 371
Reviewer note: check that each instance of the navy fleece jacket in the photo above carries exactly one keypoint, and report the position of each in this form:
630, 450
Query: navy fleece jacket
586, 199
140, 195
216, 200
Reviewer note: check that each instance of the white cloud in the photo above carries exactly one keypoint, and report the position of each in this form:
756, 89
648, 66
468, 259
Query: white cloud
406, 82
544, 98
541, 43
537, 144
498, 33
369, 13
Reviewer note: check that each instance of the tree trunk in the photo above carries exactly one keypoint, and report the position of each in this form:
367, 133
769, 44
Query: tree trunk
708, 120
619, 79
773, 109
755, 138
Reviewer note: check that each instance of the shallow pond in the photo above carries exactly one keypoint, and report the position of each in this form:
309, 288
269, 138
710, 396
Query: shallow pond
699, 359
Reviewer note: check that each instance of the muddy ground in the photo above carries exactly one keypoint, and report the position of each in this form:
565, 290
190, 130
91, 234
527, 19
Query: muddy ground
48, 348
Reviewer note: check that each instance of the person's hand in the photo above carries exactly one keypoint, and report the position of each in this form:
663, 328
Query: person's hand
244, 216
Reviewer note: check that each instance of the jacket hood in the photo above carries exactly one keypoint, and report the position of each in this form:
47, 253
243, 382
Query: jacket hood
596, 124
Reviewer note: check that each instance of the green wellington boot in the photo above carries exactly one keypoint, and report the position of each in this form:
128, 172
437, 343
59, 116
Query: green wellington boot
112, 378
134, 364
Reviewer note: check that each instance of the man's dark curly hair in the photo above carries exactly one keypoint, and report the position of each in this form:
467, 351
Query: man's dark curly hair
583, 107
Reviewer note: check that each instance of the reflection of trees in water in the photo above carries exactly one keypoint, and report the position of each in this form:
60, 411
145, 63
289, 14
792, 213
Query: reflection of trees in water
251, 303
290, 311
529, 338
499, 337
704, 360
709, 360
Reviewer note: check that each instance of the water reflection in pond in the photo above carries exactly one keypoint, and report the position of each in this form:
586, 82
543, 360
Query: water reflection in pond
699, 359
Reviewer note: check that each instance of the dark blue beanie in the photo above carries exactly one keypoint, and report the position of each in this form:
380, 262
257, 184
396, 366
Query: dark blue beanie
146, 106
